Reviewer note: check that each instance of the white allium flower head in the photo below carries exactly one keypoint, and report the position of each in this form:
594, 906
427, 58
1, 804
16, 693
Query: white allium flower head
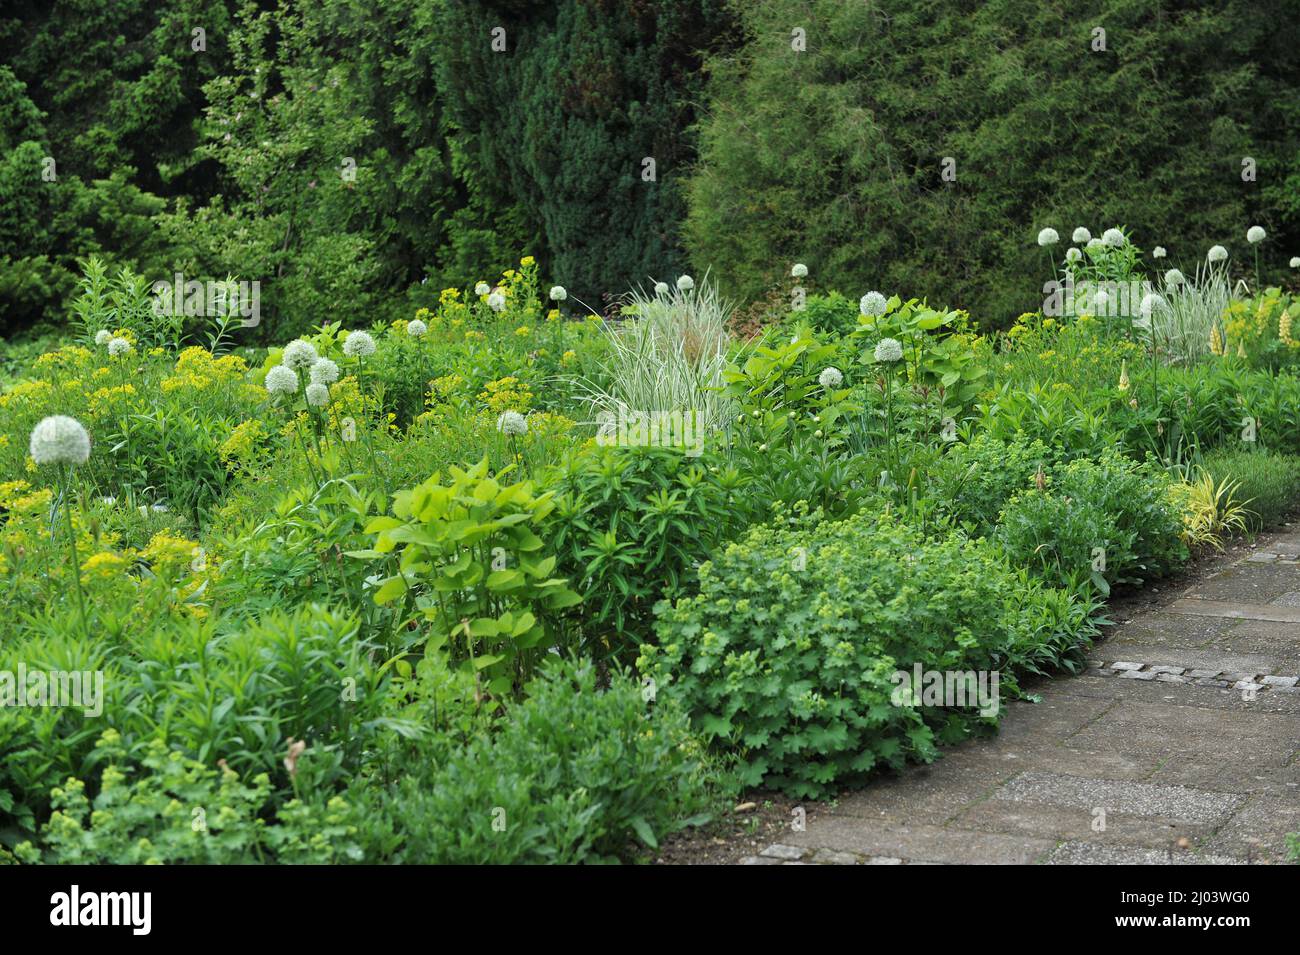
872, 305
59, 439
482, 288
103, 336
512, 423
800, 271
281, 380
661, 288
118, 346
318, 395
1217, 253
1158, 252
685, 283
1255, 234
830, 378
358, 344
415, 328
1113, 238
558, 293
1081, 235
324, 372
888, 350
1072, 254
299, 354
1295, 262
1150, 302
1095, 243
1048, 237
1174, 277
497, 302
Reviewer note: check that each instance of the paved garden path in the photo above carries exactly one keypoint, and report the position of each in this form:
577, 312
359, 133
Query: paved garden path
1180, 743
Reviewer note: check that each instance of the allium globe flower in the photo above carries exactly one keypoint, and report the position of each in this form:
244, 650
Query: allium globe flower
558, 294
1217, 253
415, 328
872, 305
1113, 238
103, 336
1072, 254
358, 344
1174, 277
281, 380
830, 378
800, 271
1295, 262
512, 423
1081, 235
1158, 252
299, 354
318, 395
1095, 244
324, 372
685, 283
497, 302
1255, 234
119, 346
482, 288
888, 350
1048, 237
661, 288
59, 439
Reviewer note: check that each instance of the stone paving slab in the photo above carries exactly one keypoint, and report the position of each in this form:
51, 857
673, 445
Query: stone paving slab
1184, 731
1247, 738
1201, 696
931, 794
920, 843
1236, 609
1231, 776
1260, 829
1278, 641
1064, 822
1168, 631
1249, 582
1194, 806
1091, 853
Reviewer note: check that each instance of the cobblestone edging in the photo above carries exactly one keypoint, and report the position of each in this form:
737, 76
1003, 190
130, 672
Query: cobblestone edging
779, 854
1247, 680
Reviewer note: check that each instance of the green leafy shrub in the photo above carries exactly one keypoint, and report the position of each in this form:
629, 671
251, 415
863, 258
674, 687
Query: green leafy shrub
169, 808
1096, 524
573, 774
787, 651
974, 481
830, 314
471, 563
630, 526
1056, 627
1267, 484
791, 437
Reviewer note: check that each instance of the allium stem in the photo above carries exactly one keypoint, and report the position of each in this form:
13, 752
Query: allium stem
64, 488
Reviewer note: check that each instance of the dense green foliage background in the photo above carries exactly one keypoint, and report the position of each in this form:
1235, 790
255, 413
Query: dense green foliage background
833, 156
234, 155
